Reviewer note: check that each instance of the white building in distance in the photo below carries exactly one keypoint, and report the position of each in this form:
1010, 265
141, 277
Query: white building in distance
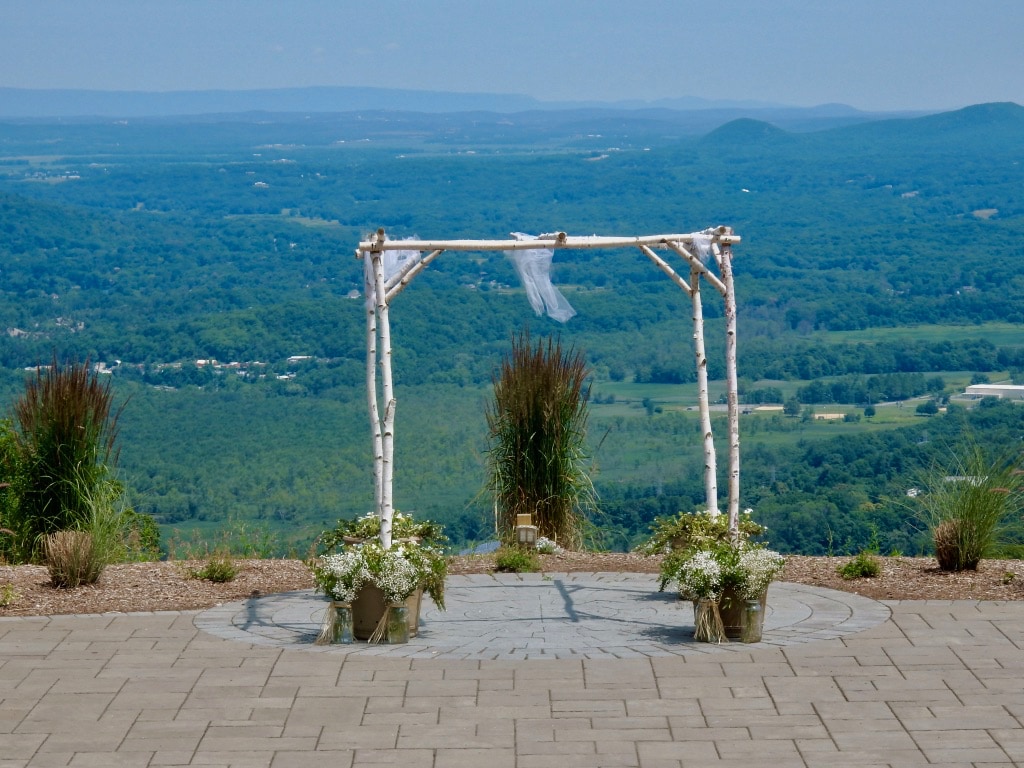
1010, 391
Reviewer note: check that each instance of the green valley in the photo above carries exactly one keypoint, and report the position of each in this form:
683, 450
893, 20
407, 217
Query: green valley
209, 265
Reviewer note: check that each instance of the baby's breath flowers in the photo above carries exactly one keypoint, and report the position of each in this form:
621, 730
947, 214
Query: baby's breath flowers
758, 567
340, 575
700, 577
397, 572
747, 568
546, 546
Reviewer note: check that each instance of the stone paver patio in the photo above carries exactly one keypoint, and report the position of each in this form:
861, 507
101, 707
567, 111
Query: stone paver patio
927, 683
555, 615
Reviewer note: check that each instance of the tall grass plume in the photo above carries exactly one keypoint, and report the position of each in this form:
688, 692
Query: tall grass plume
537, 421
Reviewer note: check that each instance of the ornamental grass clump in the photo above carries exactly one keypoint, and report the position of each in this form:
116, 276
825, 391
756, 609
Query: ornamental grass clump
71, 558
537, 422
974, 509
67, 428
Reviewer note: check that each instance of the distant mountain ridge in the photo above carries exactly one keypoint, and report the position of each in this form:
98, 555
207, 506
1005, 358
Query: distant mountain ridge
30, 103
20, 103
993, 122
1000, 123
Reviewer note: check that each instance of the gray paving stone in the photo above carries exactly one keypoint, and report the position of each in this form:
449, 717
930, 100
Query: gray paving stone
837, 682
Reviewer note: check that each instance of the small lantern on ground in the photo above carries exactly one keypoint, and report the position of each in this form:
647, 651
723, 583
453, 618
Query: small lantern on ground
526, 532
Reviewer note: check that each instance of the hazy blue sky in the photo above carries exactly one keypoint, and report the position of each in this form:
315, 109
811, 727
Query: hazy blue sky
872, 54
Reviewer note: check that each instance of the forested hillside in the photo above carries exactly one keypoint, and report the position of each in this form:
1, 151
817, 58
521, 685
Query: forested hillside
159, 246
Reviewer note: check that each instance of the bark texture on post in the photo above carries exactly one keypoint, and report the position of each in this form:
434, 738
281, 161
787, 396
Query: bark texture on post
379, 353
371, 390
692, 289
386, 510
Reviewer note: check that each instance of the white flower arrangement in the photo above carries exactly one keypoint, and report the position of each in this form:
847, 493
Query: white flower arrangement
355, 558
340, 575
748, 569
546, 546
758, 567
397, 577
397, 572
700, 577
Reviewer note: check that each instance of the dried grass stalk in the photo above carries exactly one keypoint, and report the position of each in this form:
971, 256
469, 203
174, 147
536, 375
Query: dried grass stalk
72, 558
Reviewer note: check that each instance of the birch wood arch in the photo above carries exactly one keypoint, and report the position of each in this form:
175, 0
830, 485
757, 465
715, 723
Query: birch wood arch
697, 250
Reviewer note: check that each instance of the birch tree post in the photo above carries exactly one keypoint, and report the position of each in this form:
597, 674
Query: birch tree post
702, 244
723, 256
703, 401
371, 383
379, 348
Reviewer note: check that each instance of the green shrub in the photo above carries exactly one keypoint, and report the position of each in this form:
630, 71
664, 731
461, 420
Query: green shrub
219, 568
863, 566
8, 595
516, 560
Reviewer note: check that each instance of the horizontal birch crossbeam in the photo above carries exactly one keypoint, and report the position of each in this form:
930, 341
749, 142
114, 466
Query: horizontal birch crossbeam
722, 235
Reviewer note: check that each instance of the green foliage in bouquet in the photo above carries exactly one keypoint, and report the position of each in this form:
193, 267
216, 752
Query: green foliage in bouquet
368, 527
747, 569
397, 571
683, 535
